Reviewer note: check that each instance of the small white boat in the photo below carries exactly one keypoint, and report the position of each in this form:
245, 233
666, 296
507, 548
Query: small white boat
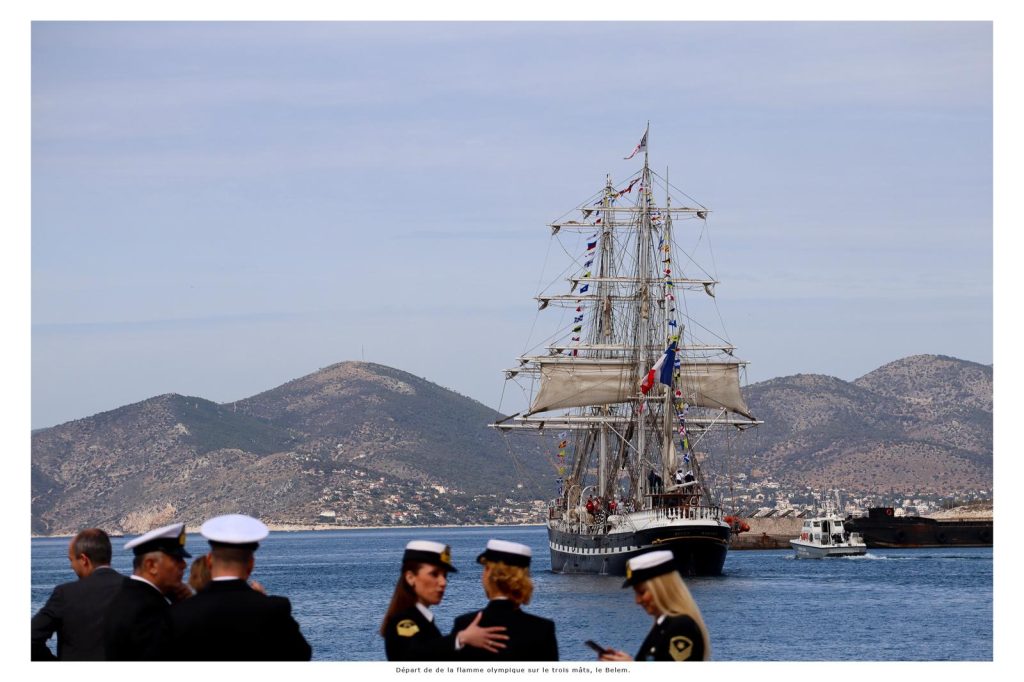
824, 536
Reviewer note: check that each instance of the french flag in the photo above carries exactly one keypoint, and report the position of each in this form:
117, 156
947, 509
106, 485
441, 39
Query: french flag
663, 369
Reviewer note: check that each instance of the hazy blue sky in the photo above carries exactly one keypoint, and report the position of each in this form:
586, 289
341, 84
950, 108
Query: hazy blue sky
218, 208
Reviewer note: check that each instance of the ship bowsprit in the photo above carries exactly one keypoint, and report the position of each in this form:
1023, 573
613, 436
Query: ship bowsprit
700, 550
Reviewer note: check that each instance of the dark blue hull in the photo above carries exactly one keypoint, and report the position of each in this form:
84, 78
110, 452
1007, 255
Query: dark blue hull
699, 549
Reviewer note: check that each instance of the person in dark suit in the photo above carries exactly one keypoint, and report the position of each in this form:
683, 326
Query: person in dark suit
507, 583
74, 611
678, 633
137, 623
408, 627
228, 620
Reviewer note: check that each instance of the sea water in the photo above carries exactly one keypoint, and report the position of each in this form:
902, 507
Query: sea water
890, 605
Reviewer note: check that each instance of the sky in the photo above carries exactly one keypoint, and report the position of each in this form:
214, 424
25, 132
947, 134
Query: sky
215, 209
219, 208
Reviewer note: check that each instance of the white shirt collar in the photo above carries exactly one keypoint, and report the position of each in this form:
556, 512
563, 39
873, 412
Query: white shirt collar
425, 610
143, 580
661, 618
219, 578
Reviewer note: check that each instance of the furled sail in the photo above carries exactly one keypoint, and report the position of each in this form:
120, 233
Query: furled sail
568, 382
572, 382
713, 384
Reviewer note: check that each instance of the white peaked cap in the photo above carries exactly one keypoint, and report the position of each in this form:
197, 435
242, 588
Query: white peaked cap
511, 553
168, 539
234, 529
426, 546
643, 567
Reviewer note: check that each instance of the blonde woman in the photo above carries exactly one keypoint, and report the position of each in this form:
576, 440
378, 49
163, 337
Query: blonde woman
678, 633
408, 627
506, 581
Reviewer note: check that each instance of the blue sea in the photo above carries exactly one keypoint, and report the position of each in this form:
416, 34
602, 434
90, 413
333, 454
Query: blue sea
890, 605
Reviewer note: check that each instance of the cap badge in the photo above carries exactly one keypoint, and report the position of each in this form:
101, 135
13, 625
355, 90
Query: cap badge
446, 555
629, 572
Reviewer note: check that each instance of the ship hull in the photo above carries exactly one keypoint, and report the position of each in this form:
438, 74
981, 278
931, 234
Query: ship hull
699, 549
810, 550
881, 530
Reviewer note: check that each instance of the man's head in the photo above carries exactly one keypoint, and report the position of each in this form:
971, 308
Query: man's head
163, 570
226, 560
88, 550
233, 540
160, 556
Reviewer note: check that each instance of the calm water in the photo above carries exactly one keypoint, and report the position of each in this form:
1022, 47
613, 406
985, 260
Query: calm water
891, 605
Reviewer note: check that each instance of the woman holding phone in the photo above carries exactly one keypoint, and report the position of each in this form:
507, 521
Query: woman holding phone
678, 633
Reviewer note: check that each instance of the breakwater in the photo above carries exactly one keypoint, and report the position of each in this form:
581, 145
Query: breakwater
767, 534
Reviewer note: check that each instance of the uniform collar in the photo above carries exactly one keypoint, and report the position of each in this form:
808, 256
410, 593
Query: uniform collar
143, 580
425, 610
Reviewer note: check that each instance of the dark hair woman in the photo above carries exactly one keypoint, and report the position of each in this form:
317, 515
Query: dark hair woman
507, 583
408, 627
678, 633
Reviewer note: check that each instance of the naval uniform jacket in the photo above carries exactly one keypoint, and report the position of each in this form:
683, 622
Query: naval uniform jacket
411, 636
229, 621
673, 638
75, 613
530, 638
137, 623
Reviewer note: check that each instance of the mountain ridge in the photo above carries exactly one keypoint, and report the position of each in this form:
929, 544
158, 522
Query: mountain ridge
375, 445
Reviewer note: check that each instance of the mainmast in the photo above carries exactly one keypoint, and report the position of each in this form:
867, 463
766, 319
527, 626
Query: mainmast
665, 257
603, 329
643, 336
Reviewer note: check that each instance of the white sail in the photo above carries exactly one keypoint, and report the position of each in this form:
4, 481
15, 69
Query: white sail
713, 384
568, 382
565, 383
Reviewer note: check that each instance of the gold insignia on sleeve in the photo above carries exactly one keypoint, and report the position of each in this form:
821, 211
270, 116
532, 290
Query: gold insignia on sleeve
407, 628
679, 648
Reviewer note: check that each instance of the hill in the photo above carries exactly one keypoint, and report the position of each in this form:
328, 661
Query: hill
921, 423
373, 445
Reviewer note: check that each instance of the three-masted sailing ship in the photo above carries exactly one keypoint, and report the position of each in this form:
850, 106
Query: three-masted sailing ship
631, 387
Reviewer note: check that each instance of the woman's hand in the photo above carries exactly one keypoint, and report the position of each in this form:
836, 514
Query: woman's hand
256, 586
614, 655
178, 592
488, 639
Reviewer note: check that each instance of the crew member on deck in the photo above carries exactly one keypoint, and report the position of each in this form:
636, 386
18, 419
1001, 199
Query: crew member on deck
228, 620
678, 633
137, 623
506, 580
408, 627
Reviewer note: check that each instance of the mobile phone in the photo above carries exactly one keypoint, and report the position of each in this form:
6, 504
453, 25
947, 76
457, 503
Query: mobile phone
596, 647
